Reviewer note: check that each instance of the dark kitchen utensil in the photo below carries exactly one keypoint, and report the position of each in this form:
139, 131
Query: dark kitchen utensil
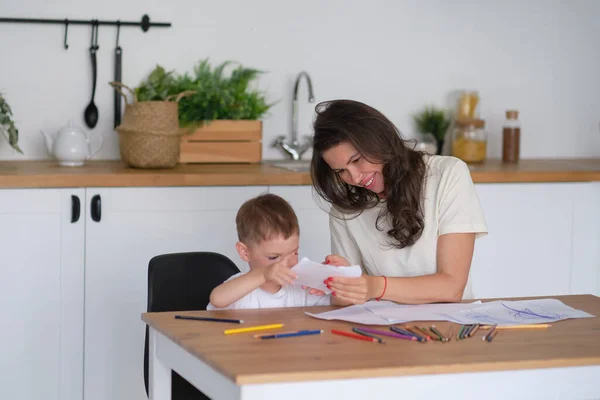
118, 77
90, 115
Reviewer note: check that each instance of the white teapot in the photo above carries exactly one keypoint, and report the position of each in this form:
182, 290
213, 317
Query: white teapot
71, 146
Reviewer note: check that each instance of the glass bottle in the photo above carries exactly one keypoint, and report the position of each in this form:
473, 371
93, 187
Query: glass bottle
469, 140
511, 137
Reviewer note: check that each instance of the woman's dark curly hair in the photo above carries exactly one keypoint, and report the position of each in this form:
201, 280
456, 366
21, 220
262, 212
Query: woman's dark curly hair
377, 140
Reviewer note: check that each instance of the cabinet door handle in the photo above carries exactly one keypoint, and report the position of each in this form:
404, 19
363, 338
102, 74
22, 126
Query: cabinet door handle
96, 208
75, 208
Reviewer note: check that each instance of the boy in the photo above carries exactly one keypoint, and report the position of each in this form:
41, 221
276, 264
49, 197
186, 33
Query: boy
269, 238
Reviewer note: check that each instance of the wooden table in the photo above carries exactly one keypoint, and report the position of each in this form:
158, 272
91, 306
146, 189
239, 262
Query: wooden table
562, 361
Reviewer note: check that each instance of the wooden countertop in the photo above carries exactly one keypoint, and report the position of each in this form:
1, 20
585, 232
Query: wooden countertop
245, 360
43, 174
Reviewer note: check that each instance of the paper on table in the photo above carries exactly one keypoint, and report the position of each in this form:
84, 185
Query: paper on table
312, 274
397, 313
518, 312
364, 314
356, 313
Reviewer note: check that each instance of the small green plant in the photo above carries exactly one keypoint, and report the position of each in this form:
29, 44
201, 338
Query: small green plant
7, 126
433, 120
217, 96
157, 86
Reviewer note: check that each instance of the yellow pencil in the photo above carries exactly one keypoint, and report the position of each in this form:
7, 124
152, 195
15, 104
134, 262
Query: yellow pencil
252, 329
531, 326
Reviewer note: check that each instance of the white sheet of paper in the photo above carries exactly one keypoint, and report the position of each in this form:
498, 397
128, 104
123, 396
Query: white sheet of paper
495, 312
312, 274
398, 313
356, 313
518, 312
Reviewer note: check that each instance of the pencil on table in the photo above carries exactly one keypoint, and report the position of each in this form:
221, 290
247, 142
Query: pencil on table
459, 335
451, 332
492, 335
474, 330
485, 337
407, 332
423, 332
252, 329
365, 333
529, 326
353, 335
434, 329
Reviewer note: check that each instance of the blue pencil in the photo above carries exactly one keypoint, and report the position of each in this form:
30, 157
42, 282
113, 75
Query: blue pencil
292, 334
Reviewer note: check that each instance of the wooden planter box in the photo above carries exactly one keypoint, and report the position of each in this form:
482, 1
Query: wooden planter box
223, 141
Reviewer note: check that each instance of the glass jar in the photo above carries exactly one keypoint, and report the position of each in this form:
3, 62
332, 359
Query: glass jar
469, 140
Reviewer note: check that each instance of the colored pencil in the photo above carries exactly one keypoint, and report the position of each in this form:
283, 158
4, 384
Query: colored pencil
293, 334
492, 335
434, 329
406, 332
252, 329
423, 332
467, 331
390, 334
450, 332
531, 326
365, 333
485, 337
459, 336
473, 331
190, 317
260, 335
353, 335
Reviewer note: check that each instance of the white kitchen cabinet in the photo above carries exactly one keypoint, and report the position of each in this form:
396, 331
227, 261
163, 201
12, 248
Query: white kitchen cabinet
41, 290
135, 225
585, 260
535, 239
313, 218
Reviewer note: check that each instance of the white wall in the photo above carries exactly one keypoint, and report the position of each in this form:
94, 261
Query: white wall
541, 57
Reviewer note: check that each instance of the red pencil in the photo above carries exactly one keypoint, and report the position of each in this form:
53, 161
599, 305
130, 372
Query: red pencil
354, 335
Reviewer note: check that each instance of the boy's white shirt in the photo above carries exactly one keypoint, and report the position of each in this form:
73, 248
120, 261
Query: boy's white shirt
287, 296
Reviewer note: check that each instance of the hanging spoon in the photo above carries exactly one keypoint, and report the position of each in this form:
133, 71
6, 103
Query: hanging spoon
90, 115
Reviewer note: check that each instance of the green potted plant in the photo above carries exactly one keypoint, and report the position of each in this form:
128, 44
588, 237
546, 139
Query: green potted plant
435, 121
7, 125
224, 113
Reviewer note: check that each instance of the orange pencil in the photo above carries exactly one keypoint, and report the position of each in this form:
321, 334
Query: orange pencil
529, 326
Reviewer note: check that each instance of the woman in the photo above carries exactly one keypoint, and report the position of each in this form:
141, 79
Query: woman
409, 219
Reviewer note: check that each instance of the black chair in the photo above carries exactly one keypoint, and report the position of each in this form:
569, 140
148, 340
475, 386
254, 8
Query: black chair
183, 282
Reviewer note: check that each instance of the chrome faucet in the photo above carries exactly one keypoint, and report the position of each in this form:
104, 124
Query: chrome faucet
295, 149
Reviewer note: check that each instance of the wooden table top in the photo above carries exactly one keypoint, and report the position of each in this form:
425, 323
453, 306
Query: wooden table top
246, 360
46, 174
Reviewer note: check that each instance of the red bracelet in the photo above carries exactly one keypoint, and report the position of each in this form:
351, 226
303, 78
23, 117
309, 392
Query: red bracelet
384, 288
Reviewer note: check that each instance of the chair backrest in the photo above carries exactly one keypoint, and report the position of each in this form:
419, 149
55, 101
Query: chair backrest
182, 282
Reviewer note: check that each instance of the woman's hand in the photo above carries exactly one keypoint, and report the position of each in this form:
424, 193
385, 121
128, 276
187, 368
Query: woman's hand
355, 290
335, 260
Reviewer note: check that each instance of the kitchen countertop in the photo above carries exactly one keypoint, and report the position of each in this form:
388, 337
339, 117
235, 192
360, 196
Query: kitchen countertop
47, 173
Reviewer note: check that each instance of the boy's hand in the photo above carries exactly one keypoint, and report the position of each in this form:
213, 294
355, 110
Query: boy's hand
280, 273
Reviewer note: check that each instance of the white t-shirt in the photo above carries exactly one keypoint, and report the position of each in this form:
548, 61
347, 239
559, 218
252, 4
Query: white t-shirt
287, 296
450, 205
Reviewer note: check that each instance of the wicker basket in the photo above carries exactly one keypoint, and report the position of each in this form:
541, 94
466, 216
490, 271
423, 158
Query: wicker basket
149, 136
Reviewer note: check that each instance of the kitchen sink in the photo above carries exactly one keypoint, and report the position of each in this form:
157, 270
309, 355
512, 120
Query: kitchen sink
290, 165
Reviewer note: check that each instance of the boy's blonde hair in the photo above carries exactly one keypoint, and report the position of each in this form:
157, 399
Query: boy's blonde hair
264, 217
